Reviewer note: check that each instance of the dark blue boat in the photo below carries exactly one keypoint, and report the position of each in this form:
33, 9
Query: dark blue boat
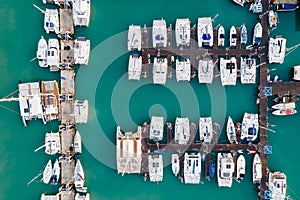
212, 169
285, 7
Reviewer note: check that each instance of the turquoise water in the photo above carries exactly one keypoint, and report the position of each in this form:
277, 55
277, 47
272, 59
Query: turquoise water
114, 100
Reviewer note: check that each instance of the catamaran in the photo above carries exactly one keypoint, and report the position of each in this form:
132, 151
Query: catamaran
228, 70
221, 36
182, 32
277, 48
277, 184
156, 167
77, 143
205, 32
47, 173
160, 67
182, 130
225, 169
183, 70
134, 40
205, 130
257, 34
248, 70
273, 18
159, 33
53, 54
231, 132
51, 21
134, 67
256, 169
232, 37
156, 128
206, 70
175, 163
79, 176
55, 174
249, 130
81, 111
52, 143
241, 168
81, 12
192, 168
244, 35
41, 52
81, 51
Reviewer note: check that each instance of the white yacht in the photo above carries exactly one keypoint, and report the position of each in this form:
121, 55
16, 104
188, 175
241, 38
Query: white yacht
182, 32
205, 32
81, 12
273, 18
284, 106
53, 54
192, 168
81, 111
55, 174
284, 112
225, 169
78, 176
156, 167
248, 70
159, 33
244, 35
81, 51
228, 70
232, 37
231, 132
182, 130
156, 128
205, 130
221, 36
256, 169
160, 67
240, 167
183, 70
240, 2
257, 34
52, 143
47, 173
175, 163
296, 73
134, 40
77, 143
41, 53
51, 21
134, 67
82, 196
206, 70
277, 184
249, 130
277, 48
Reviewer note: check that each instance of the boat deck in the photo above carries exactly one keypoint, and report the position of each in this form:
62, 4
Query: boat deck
67, 52
66, 21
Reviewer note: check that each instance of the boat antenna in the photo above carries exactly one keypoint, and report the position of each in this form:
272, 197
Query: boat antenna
42, 11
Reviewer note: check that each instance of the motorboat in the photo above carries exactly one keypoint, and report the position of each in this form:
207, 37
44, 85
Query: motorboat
285, 7
221, 36
231, 132
81, 51
205, 32
205, 130
192, 168
82, 196
182, 130
78, 176
206, 70
134, 40
256, 169
55, 174
244, 35
159, 33
53, 54
81, 12
296, 73
241, 168
47, 173
175, 163
156, 167
248, 70
225, 169
240, 2
156, 128
134, 67
51, 21
77, 143
284, 112
278, 185
183, 70
228, 70
52, 143
41, 52
256, 7
257, 34
232, 37
273, 18
249, 130
182, 32
160, 68
284, 106
277, 48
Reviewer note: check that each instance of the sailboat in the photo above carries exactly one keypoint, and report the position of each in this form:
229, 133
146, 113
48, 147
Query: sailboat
47, 172
231, 133
77, 143
241, 167
257, 35
78, 176
55, 174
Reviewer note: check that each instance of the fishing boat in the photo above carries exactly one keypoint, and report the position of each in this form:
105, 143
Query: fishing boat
228, 70
78, 176
225, 169
156, 128
284, 112
240, 2
77, 143
182, 130
232, 37
55, 174
244, 35
82, 196
221, 36
273, 18
277, 48
81, 12
231, 132
256, 7
205, 130
183, 70
52, 143
156, 167
192, 168
134, 67
81, 51
182, 32
205, 32
212, 169
53, 54
285, 7
175, 163
159, 33
257, 34
249, 130
206, 70
47, 173
160, 67
241, 168
51, 21
41, 52
277, 184
134, 40
248, 70
296, 73
256, 169
283, 106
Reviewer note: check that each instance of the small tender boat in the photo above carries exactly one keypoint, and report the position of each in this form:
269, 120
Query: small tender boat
47, 172
256, 169
241, 167
283, 106
256, 7
41, 52
78, 176
284, 112
297, 73
244, 35
221, 36
273, 18
232, 37
56, 173
77, 143
231, 133
285, 7
257, 35
175, 163
277, 184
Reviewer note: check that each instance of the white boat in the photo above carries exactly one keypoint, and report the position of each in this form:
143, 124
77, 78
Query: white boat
256, 169
41, 53
284, 112
249, 130
81, 111
205, 130
182, 32
160, 67
221, 36
159, 33
256, 7
206, 70
82, 196
277, 184
50, 197
228, 70
296, 73
231, 132
225, 169
183, 70
240, 168
257, 34
53, 54
134, 67
277, 48
205, 32
273, 18
248, 70
81, 12
232, 37
77, 143
182, 130
156, 167
175, 163
156, 128
81, 51
283, 106
134, 40
52, 143
192, 168
51, 21
78, 176
55, 174
244, 35
240, 2
47, 173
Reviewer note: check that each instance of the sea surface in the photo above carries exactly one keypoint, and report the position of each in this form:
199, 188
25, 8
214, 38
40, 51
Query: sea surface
113, 100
